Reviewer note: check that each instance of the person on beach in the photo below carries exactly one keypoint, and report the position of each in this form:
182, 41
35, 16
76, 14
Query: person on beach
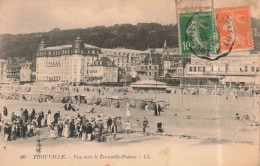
109, 123
128, 127
159, 109
128, 114
155, 109
145, 123
60, 129
56, 117
67, 129
114, 130
72, 128
52, 133
83, 130
89, 131
5, 111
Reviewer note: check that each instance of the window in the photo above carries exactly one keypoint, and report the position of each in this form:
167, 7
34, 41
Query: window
155, 67
150, 67
194, 69
199, 69
252, 69
203, 69
257, 69
190, 69
245, 68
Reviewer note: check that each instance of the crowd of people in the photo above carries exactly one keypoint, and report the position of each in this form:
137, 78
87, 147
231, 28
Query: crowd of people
21, 126
88, 128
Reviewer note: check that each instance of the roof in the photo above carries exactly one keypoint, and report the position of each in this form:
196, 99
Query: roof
89, 46
169, 57
104, 61
149, 82
121, 50
58, 47
156, 59
162, 50
67, 46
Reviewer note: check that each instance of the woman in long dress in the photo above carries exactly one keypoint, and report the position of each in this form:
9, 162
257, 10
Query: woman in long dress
119, 124
49, 120
128, 114
66, 129
52, 133
83, 129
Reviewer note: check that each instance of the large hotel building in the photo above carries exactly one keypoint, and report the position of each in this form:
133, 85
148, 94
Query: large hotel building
66, 63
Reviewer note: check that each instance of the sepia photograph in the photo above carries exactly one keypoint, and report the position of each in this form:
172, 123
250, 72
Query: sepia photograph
130, 82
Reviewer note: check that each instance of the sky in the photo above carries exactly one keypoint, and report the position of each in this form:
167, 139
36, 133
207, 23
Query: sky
28, 16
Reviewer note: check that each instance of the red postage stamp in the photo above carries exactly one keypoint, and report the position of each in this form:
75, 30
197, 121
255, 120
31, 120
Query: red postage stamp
234, 28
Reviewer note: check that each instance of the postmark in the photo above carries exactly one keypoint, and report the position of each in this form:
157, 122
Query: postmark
234, 24
200, 36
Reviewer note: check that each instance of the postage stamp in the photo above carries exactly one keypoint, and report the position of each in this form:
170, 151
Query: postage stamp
233, 25
196, 33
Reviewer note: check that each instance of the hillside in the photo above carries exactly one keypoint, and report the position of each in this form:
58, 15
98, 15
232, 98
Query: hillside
138, 36
126, 35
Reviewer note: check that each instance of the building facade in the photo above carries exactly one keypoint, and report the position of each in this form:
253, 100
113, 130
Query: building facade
66, 63
238, 67
27, 72
103, 71
120, 56
3, 73
150, 66
13, 69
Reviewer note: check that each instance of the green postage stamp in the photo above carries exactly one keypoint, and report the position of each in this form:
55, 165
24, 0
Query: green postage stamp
196, 33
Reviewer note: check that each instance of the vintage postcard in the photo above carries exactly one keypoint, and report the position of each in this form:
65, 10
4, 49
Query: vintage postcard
129, 82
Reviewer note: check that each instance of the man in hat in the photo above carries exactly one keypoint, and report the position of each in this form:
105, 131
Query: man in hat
72, 128
24, 129
114, 129
155, 109
39, 120
56, 117
109, 123
60, 129
89, 131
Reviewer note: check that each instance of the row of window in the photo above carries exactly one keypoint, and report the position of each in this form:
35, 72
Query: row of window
214, 68
149, 67
68, 51
195, 69
253, 69
150, 73
120, 53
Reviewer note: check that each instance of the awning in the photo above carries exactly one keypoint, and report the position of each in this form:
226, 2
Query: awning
244, 79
